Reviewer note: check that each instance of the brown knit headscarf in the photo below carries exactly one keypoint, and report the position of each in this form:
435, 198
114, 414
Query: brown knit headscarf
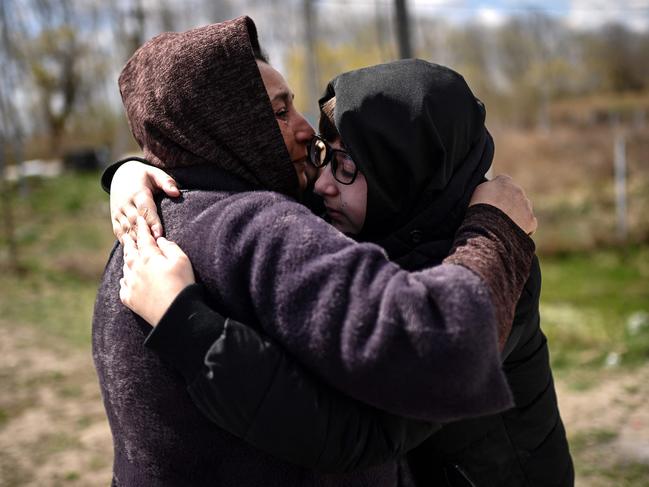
197, 98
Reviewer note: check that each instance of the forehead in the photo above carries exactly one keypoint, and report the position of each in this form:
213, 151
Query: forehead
273, 80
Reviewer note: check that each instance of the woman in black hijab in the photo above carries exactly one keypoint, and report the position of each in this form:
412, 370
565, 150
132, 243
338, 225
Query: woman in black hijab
417, 136
412, 135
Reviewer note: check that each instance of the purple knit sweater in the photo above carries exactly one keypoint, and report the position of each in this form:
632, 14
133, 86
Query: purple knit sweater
419, 344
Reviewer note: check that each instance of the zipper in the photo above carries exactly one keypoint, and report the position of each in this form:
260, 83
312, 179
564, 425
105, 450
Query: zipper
459, 472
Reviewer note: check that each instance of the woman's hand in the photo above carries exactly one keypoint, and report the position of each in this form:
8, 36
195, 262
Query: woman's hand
503, 193
154, 273
131, 194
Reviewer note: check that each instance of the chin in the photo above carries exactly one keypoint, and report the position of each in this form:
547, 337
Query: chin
341, 227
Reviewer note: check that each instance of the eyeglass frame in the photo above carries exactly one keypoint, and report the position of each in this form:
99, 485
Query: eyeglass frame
330, 153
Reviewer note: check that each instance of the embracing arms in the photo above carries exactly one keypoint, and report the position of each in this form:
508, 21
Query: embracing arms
419, 344
372, 435
242, 381
246, 384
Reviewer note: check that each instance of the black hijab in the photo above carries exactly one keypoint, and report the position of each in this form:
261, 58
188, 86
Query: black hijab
417, 133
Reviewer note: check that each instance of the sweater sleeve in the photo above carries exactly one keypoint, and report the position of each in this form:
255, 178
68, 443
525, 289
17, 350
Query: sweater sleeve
489, 243
242, 381
422, 344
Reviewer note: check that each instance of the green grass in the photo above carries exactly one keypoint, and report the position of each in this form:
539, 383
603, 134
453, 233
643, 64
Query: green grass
591, 438
4, 417
595, 307
626, 474
64, 236
593, 458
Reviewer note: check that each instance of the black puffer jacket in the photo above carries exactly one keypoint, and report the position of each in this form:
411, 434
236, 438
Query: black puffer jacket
524, 446
422, 163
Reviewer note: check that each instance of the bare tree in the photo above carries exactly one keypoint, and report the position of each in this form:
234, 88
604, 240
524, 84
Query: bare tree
56, 55
623, 58
10, 131
131, 26
402, 19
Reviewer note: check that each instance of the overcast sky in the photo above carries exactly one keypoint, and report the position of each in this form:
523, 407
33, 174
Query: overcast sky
579, 13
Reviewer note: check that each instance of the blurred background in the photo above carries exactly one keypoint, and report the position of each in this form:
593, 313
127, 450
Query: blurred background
566, 85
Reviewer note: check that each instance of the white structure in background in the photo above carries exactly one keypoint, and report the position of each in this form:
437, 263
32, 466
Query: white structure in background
34, 168
620, 186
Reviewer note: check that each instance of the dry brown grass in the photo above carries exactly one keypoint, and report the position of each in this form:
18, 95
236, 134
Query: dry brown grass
568, 174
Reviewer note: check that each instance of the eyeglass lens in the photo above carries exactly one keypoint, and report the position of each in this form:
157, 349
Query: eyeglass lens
318, 152
342, 166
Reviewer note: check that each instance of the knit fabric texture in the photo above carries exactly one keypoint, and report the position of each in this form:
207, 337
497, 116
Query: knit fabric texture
180, 90
496, 235
396, 340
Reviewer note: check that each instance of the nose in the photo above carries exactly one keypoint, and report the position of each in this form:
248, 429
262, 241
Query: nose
303, 130
326, 185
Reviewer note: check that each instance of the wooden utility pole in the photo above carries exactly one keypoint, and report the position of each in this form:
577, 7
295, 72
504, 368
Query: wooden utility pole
620, 186
403, 29
381, 29
9, 131
311, 62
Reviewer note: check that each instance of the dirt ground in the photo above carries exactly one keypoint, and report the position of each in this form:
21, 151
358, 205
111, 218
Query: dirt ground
53, 431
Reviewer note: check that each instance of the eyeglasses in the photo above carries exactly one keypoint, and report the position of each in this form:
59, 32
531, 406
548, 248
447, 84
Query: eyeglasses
343, 167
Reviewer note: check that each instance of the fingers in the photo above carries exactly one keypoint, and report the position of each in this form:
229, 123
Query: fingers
130, 250
146, 244
120, 225
127, 281
170, 249
124, 222
161, 180
170, 188
117, 229
125, 294
156, 229
146, 208
180, 267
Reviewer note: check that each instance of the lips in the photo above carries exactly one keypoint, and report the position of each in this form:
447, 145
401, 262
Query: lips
332, 212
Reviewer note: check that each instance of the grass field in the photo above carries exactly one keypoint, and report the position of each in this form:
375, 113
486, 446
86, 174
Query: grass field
595, 311
596, 307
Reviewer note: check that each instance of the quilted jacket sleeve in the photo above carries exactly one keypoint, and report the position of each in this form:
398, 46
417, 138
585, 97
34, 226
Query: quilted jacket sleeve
246, 384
